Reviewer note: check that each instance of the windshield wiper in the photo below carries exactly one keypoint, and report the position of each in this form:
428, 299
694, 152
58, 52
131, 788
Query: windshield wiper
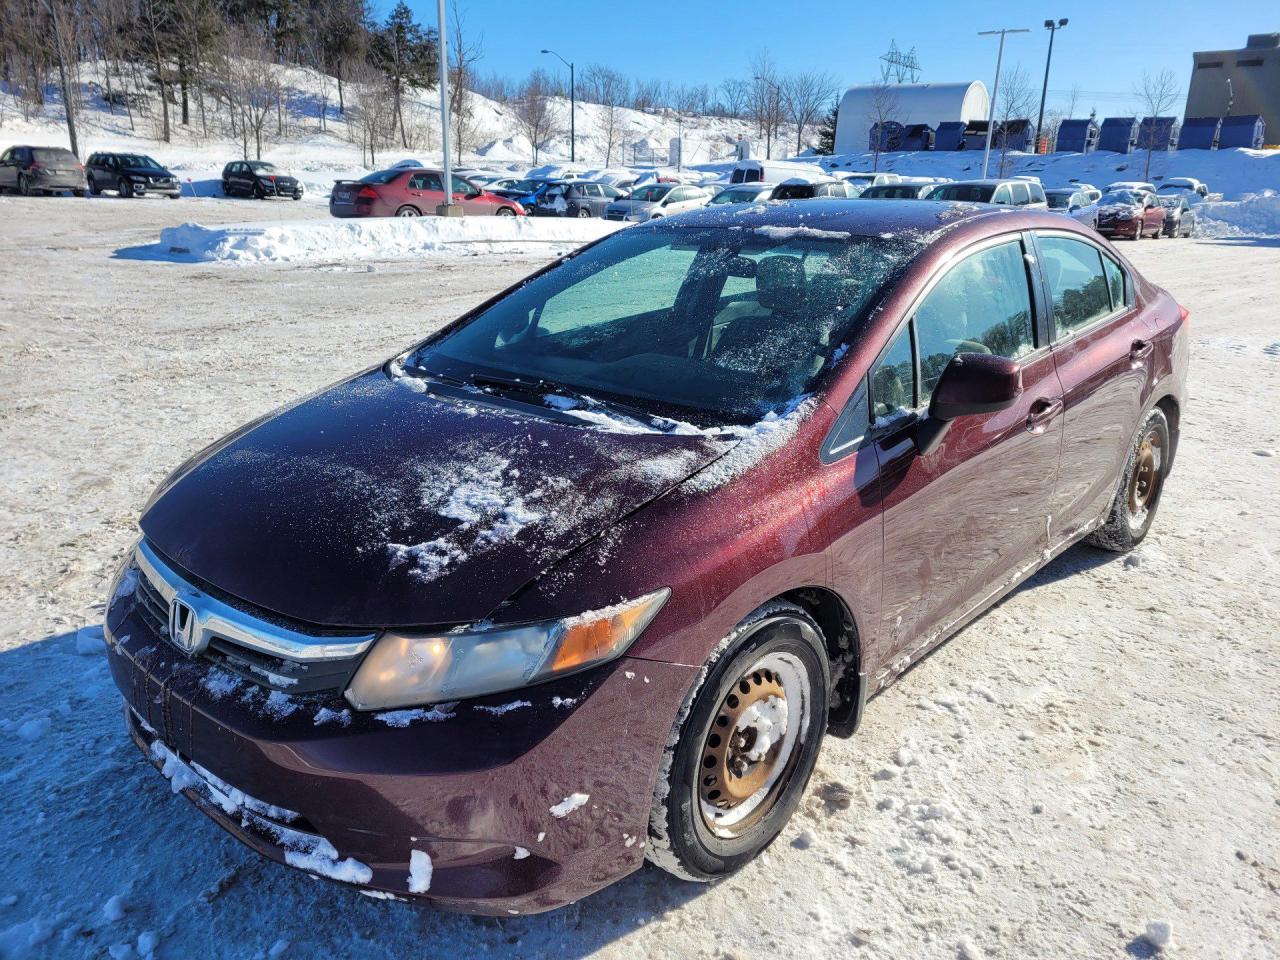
541, 387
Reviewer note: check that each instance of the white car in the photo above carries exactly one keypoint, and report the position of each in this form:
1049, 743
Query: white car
654, 200
1089, 190
859, 180
1130, 185
1174, 185
1074, 203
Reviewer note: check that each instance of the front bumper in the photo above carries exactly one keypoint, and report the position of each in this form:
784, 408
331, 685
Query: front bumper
1120, 228
158, 189
473, 790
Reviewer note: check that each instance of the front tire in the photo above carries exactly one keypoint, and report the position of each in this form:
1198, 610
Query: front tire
583, 213
743, 747
504, 212
408, 211
124, 189
24, 186
1134, 508
258, 192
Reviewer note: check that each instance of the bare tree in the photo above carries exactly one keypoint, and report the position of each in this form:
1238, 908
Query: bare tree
156, 20
370, 110
734, 96
766, 98
882, 108
610, 89
251, 85
804, 96
62, 38
533, 110
1015, 102
464, 53
1157, 94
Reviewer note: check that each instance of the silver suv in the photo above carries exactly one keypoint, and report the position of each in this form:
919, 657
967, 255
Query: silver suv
1014, 192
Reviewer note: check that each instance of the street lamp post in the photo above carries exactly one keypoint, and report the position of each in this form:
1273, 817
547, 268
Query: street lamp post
995, 91
1053, 28
448, 208
573, 109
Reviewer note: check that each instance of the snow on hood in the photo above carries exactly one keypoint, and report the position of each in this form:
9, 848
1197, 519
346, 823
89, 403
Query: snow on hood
369, 505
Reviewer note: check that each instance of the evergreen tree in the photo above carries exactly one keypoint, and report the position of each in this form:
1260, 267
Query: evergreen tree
827, 131
408, 55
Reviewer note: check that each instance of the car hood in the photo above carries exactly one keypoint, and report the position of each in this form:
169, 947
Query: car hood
1125, 209
370, 504
146, 172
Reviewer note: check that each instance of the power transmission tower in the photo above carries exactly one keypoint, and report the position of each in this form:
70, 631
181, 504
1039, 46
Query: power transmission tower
899, 67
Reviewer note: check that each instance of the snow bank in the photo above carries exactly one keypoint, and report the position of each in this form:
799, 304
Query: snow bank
1254, 215
376, 239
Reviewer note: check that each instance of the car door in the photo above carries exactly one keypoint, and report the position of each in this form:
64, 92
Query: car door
470, 199
965, 521
1104, 356
1153, 213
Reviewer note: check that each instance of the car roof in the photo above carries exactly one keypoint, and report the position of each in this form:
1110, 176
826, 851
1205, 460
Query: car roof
857, 217
989, 182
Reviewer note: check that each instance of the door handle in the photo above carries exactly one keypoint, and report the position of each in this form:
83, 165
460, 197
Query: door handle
1139, 351
1042, 412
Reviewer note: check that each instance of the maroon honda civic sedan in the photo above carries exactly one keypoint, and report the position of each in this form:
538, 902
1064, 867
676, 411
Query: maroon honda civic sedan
586, 577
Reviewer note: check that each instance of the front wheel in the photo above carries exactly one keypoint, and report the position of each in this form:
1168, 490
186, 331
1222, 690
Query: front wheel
583, 213
124, 189
24, 186
743, 747
258, 193
504, 212
1134, 508
408, 211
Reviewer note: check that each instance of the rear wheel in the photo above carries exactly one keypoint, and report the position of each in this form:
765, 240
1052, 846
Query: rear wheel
258, 193
1134, 508
24, 186
744, 747
408, 211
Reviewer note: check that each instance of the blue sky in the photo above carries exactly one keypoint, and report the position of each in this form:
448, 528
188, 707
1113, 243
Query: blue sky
1104, 48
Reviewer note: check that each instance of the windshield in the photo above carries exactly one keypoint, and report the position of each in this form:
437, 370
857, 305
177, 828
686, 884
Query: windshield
859, 177
682, 321
137, 160
793, 191
1058, 201
1173, 203
261, 166
651, 193
1128, 198
52, 155
735, 196
526, 186
963, 192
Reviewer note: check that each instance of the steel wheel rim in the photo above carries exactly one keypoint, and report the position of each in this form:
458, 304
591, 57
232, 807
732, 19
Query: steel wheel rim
746, 760
1144, 483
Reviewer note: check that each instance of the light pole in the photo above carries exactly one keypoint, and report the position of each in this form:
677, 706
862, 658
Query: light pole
991, 109
573, 100
776, 90
448, 208
1053, 28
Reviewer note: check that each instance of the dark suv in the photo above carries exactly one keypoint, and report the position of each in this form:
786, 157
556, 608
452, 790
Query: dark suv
258, 179
584, 577
32, 170
130, 175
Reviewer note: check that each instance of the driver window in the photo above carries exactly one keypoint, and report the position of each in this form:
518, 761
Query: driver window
981, 305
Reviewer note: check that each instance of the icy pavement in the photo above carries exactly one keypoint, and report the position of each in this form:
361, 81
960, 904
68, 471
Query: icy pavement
1088, 771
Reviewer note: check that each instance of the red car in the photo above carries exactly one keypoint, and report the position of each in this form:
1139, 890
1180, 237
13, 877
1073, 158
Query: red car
585, 577
1130, 213
403, 192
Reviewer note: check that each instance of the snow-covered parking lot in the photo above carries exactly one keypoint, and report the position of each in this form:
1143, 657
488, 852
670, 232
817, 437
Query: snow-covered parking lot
1098, 754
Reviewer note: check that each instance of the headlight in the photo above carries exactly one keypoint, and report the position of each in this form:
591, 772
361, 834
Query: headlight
404, 670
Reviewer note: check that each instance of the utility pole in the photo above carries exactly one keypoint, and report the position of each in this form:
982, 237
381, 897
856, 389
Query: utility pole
448, 208
573, 107
991, 109
1052, 28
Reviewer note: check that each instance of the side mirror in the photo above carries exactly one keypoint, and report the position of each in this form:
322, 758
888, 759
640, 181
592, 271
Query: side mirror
971, 384
472, 195
1073, 208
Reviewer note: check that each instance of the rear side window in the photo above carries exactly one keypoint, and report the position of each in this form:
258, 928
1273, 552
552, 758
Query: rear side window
1021, 195
1077, 284
1037, 192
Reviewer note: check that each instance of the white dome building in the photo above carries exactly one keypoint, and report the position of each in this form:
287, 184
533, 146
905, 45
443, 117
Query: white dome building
907, 103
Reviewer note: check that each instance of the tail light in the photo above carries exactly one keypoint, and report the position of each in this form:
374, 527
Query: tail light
367, 193
1184, 315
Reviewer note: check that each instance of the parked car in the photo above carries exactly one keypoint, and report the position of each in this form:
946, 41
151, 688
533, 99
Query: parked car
505, 183
1142, 185
130, 175
1184, 185
1088, 189
413, 193
743, 193
1018, 193
656, 200
575, 198
804, 188
645, 527
1179, 215
1074, 203
859, 181
772, 171
897, 191
32, 170
1130, 213
526, 192
259, 179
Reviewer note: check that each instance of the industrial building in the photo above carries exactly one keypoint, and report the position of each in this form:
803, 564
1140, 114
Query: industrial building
1235, 83
908, 104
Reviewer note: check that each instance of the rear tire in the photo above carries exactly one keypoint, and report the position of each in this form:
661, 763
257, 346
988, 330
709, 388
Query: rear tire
743, 747
24, 186
1134, 508
583, 213
258, 193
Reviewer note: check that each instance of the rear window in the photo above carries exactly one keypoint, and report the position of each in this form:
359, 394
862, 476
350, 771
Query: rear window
963, 192
52, 155
381, 176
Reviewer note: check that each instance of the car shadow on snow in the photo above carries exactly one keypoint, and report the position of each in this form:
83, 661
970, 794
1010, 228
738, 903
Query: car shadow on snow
89, 819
